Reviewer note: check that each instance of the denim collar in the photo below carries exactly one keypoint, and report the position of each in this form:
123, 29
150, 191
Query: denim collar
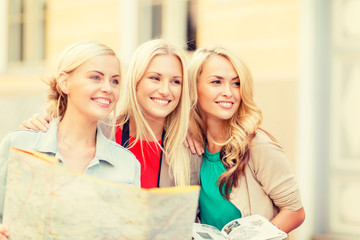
47, 143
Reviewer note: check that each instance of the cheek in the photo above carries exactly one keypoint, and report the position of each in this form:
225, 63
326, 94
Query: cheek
236, 93
139, 97
176, 91
139, 90
202, 94
141, 84
145, 87
202, 108
238, 97
202, 101
116, 94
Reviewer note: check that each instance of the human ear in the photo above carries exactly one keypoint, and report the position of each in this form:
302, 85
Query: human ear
63, 81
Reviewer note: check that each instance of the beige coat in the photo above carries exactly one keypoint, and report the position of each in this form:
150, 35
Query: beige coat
269, 184
167, 180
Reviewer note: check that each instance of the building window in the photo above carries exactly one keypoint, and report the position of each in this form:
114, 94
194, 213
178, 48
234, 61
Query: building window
156, 20
191, 25
171, 19
16, 31
150, 19
26, 43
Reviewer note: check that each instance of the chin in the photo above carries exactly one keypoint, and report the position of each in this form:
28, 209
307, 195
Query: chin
100, 117
225, 118
161, 114
227, 115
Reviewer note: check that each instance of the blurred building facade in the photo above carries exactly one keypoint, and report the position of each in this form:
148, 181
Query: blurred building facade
304, 56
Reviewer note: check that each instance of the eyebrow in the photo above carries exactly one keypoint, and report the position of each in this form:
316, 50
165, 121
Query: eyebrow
102, 74
161, 74
154, 73
219, 77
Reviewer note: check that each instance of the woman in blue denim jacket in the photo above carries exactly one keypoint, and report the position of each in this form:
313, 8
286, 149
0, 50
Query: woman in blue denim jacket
84, 91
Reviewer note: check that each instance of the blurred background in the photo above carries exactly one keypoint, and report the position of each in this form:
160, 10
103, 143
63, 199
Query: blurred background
304, 56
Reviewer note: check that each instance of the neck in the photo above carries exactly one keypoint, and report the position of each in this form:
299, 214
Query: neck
216, 132
74, 131
156, 126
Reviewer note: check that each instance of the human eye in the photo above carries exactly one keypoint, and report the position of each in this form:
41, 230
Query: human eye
216, 82
115, 81
156, 78
236, 83
176, 81
95, 77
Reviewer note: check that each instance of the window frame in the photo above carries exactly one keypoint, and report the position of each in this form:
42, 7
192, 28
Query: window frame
30, 40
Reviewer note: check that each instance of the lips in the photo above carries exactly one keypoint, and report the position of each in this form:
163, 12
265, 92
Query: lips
161, 101
226, 105
103, 101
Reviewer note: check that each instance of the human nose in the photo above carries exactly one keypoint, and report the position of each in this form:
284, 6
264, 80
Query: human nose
164, 87
226, 90
106, 86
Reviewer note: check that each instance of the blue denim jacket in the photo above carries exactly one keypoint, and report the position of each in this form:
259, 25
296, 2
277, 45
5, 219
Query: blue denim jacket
112, 162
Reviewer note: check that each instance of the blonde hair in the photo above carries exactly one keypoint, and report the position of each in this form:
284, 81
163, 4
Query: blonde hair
70, 60
176, 155
241, 127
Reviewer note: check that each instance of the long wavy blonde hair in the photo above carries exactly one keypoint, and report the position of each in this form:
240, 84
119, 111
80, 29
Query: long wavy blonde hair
70, 60
176, 123
241, 127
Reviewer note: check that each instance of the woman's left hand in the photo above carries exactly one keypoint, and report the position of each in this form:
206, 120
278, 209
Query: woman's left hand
195, 146
4, 233
287, 220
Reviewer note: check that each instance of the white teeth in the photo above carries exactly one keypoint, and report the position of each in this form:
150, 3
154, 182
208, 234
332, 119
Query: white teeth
159, 101
225, 104
103, 101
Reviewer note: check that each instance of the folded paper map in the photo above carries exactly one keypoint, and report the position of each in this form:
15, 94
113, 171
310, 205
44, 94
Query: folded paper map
44, 201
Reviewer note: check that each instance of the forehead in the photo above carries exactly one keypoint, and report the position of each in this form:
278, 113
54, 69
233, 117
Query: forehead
216, 64
101, 62
162, 58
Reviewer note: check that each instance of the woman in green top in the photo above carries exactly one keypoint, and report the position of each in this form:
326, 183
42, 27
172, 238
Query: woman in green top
244, 170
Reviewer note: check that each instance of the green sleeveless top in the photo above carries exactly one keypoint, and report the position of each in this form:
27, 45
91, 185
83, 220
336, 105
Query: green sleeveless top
215, 210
